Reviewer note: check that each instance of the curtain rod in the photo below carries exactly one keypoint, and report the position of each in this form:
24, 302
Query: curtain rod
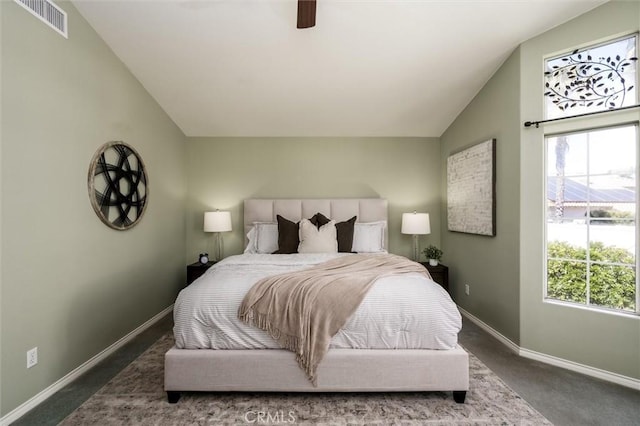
538, 123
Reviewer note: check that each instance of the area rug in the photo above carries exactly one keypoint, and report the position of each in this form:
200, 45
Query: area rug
136, 397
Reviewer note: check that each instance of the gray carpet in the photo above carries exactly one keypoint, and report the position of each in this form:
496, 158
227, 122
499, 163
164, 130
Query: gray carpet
136, 397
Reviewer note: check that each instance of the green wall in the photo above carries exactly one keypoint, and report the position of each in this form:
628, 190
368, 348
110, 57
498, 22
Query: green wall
602, 340
70, 285
224, 171
489, 265
1, 127
506, 272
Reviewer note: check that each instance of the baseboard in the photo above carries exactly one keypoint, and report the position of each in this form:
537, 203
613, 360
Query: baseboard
486, 327
608, 376
22, 409
587, 370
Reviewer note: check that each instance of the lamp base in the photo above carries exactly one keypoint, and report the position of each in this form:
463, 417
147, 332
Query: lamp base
218, 249
416, 251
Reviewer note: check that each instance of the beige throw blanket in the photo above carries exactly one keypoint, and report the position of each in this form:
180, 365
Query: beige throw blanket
303, 310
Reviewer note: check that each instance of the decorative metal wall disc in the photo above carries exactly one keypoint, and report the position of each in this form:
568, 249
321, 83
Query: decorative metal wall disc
118, 187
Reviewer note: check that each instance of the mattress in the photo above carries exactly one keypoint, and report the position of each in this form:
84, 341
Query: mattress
398, 312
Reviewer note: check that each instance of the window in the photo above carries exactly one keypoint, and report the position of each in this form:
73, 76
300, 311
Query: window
592, 186
591, 217
594, 79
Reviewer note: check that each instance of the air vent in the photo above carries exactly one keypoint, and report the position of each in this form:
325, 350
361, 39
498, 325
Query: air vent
48, 12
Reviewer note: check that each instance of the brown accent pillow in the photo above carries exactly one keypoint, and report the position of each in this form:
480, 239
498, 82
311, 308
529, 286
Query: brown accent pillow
288, 239
344, 229
318, 220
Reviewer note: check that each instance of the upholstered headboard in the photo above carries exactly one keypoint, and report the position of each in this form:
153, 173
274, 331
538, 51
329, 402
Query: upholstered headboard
340, 209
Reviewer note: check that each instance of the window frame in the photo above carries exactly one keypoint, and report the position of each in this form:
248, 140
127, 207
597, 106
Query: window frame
573, 125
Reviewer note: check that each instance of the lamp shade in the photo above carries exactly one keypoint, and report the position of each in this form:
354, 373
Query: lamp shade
416, 223
217, 221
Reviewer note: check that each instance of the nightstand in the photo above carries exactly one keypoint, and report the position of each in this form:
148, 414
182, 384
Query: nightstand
440, 274
195, 270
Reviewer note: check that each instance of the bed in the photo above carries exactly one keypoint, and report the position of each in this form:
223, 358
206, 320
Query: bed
251, 363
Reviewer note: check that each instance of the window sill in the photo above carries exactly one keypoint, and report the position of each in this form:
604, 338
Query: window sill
600, 310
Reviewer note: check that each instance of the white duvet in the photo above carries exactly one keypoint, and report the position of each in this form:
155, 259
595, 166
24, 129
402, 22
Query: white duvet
398, 312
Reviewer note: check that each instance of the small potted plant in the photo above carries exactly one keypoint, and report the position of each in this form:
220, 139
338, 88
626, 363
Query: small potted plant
434, 254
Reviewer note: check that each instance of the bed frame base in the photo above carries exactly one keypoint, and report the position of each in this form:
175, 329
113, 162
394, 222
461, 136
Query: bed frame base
173, 396
341, 370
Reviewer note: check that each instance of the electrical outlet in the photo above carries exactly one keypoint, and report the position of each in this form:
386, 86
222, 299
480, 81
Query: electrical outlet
466, 289
32, 357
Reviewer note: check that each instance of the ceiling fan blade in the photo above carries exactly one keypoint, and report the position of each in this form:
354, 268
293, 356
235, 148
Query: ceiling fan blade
306, 13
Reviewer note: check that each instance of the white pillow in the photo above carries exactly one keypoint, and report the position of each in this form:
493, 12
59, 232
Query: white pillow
263, 238
314, 240
368, 237
251, 245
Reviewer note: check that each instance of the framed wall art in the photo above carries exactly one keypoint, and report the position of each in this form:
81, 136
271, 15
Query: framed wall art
471, 189
118, 186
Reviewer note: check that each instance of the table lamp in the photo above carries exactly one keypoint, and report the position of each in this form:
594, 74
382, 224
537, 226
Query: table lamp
416, 224
217, 222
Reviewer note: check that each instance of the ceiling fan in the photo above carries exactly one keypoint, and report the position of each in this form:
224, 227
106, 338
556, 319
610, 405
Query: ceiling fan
306, 13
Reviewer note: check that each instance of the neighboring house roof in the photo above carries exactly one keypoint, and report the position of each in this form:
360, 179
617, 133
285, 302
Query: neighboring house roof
576, 192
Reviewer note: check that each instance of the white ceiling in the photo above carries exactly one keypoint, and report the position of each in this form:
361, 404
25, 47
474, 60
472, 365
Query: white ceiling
368, 68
